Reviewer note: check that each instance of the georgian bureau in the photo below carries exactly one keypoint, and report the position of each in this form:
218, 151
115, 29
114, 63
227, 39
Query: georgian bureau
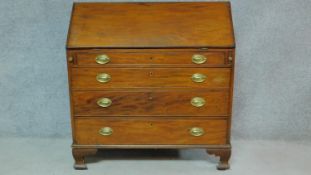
151, 75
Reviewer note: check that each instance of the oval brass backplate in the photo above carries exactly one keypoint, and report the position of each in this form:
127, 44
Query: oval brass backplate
105, 131
198, 59
104, 102
197, 131
103, 78
198, 78
102, 59
198, 102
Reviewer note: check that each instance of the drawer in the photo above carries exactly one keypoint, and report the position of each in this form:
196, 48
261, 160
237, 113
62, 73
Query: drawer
98, 78
159, 103
154, 58
135, 131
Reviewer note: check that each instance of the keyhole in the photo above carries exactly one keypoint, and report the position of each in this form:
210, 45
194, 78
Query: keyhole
150, 74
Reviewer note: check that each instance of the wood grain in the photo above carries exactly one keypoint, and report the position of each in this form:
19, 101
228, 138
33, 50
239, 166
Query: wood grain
150, 46
151, 25
85, 78
149, 131
156, 103
155, 58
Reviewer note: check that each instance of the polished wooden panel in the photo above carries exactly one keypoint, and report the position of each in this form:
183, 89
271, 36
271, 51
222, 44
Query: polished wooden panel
149, 131
150, 25
150, 46
153, 58
85, 78
160, 103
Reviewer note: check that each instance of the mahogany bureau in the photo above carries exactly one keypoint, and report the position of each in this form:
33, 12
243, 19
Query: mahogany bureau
151, 75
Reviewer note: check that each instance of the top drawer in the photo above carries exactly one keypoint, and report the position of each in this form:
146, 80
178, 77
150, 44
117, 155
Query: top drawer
151, 58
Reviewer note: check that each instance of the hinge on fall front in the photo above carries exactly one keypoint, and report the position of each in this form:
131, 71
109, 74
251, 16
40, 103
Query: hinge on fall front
230, 59
70, 59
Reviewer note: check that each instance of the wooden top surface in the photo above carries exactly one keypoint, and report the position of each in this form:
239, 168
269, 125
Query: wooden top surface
151, 25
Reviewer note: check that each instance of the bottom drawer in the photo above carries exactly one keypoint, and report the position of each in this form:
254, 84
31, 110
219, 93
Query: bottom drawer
149, 131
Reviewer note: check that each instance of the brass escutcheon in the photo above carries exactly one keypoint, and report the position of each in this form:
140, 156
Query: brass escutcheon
104, 102
198, 59
103, 78
197, 102
102, 59
197, 131
105, 131
198, 78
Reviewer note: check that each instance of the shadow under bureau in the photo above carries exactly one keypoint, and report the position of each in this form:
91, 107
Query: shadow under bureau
151, 75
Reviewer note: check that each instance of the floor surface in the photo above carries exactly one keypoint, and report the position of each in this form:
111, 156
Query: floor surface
29, 156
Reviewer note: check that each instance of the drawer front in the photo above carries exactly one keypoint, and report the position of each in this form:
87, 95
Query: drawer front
97, 78
173, 103
150, 58
150, 131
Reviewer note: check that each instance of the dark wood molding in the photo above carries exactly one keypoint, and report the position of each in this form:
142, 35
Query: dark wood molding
210, 147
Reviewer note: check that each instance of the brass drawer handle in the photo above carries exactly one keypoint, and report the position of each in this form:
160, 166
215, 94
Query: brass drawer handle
197, 131
104, 102
102, 59
198, 78
105, 131
198, 59
103, 78
197, 102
